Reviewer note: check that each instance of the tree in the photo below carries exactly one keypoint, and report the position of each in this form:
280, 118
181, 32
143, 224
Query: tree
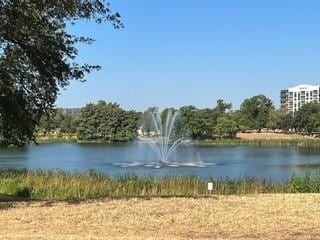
58, 119
107, 123
210, 117
226, 127
145, 120
287, 122
164, 113
193, 122
255, 112
279, 119
222, 106
307, 119
240, 119
37, 57
199, 123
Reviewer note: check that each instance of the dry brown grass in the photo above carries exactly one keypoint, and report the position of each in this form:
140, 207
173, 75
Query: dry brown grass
280, 216
269, 136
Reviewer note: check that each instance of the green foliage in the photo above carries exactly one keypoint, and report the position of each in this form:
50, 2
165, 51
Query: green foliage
287, 122
307, 119
58, 119
276, 119
37, 57
60, 185
255, 112
201, 123
145, 120
198, 123
222, 106
193, 124
226, 127
306, 183
107, 123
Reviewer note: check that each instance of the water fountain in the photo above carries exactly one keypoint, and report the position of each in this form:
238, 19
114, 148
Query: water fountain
164, 143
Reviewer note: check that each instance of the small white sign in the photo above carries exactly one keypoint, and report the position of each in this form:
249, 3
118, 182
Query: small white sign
210, 186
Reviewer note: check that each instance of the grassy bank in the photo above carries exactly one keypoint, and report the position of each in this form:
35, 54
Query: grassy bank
59, 185
312, 143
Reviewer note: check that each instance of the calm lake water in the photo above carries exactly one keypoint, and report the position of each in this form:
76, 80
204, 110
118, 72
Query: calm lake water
276, 163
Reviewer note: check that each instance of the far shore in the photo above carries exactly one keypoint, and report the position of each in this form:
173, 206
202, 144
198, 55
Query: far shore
263, 138
263, 216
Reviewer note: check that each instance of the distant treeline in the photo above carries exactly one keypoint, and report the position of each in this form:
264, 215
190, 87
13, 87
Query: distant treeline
107, 122
103, 122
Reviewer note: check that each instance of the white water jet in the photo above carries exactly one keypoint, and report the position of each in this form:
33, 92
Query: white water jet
164, 143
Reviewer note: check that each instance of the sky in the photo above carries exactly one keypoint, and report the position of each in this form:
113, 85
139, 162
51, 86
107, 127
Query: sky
177, 53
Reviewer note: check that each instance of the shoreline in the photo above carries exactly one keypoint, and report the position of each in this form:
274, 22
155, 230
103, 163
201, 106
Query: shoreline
296, 142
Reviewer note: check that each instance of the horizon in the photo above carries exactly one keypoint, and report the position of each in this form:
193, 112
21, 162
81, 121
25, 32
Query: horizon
229, 51
276, 105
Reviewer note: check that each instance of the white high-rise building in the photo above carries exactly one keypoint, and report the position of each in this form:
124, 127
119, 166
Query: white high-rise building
294, 98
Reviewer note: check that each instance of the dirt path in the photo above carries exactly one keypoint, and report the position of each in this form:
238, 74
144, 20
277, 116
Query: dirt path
237, 217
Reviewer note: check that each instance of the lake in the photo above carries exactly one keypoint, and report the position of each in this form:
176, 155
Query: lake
276, 163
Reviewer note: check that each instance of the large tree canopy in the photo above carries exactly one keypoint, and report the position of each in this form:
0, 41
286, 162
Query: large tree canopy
107, 123
255, 112
37, 57
307, 119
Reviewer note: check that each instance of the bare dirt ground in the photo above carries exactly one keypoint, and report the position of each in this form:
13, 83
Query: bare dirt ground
269, 136
280, 216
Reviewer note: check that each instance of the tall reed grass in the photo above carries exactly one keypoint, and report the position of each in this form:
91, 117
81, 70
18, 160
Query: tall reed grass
60, 185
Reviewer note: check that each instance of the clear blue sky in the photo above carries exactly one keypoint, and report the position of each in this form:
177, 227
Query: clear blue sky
175, 53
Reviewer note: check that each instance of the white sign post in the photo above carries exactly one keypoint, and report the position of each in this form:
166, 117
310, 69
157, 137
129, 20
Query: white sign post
210, 187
